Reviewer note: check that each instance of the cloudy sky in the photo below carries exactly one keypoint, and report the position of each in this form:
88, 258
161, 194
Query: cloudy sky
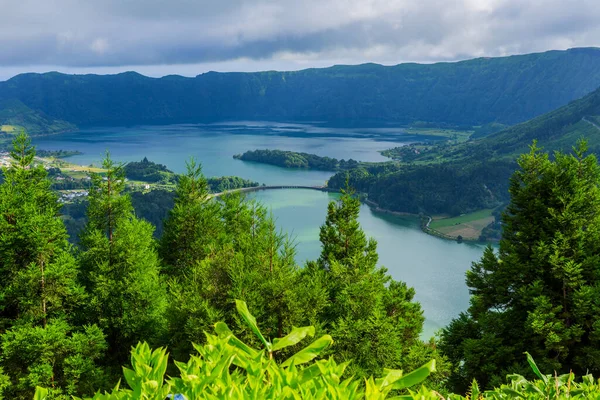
188, 37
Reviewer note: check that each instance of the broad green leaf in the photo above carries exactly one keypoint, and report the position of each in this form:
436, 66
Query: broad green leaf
535, 368
309, 373
309, 352
242, 308
391, 376
40, 393
130, 377
294, 337
474, 390
223, 330
513, 393
415, 377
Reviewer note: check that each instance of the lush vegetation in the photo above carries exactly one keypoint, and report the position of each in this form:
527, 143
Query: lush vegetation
69, 317
147, 171
507, 90
220, 184
57, 153
539, 291
460, 178
292, 159
15, 114
226, 367
447, 188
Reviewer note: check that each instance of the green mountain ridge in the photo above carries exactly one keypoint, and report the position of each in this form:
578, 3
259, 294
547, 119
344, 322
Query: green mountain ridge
505, 90
557, 130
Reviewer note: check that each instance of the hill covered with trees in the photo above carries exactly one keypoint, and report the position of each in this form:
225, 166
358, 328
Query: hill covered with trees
292, 159
505, 90
460, 178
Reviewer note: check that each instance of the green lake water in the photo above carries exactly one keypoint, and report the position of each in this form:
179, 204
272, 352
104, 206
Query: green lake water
434, 267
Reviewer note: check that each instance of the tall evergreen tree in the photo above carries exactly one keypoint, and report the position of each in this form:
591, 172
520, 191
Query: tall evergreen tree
220, 250
193, 224
372, 318
39, 291
539, 293
120, 267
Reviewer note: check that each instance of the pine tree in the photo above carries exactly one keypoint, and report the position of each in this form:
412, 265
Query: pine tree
193, 224
193, 232
539, 293
121, 268
373, 319
39, 290
221, 250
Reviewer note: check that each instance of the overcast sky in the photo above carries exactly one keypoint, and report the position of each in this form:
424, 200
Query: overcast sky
188, 37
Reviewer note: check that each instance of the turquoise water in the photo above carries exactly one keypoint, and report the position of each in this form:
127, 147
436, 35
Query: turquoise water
215, 145
434, 267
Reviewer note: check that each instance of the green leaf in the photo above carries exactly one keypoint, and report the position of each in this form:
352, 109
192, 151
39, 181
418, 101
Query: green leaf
391, 376
223, 331
309, 352
40, 393
294, 337
251, 321
415, 377
535, 368
474, 390
130, 377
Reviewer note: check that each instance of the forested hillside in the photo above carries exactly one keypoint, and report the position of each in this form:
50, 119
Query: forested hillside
14, 115
455, 179
505, 90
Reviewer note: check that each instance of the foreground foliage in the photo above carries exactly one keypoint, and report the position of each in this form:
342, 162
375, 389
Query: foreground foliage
226, 367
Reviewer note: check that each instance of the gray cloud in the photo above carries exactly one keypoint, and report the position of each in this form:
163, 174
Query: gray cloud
95, 35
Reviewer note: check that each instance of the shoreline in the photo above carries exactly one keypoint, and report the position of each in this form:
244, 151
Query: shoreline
424, 226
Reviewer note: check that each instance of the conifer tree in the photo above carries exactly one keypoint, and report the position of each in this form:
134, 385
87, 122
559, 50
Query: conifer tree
221, 250
193, 232
39, 289
372, 318
539, 293
120, 267
193, 224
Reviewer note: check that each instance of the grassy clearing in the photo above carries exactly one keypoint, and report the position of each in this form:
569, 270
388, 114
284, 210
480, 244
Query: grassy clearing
455, 136
469, 226
8, 128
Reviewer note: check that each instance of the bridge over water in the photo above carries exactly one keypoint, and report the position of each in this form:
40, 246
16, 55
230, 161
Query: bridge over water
258, 188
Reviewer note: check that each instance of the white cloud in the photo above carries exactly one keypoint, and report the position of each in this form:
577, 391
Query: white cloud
99, 46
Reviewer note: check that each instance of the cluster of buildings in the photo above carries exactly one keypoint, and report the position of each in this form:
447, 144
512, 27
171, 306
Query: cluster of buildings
70, 196
4, 159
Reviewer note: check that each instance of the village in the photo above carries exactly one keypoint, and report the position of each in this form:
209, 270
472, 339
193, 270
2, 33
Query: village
72, 181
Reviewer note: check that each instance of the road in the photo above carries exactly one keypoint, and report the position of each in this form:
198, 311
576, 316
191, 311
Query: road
591, 122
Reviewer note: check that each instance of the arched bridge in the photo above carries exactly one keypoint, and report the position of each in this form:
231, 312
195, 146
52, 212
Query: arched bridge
257, 188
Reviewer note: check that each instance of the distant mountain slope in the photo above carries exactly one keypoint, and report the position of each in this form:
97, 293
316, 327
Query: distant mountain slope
15, 114
506, 90
456, 179
556, 130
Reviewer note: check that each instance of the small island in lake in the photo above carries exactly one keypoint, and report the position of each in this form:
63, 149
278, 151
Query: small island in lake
292, 159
